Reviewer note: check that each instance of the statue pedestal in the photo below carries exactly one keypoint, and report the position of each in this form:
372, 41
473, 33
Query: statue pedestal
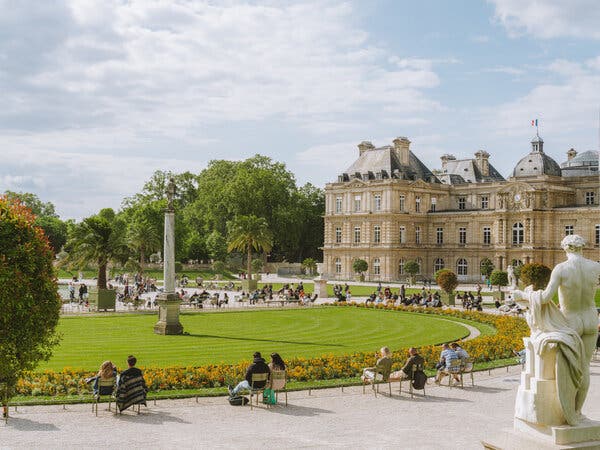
538, 413
168, 315
321, 287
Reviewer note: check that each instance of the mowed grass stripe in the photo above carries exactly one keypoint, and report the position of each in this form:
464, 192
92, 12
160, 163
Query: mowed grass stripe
229, 337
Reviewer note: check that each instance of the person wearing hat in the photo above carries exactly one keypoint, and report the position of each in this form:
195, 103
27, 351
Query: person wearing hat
258, 366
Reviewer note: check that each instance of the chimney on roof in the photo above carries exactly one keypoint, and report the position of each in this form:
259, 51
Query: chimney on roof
445, 158
572, 153
482, 159
401, 147
364, 146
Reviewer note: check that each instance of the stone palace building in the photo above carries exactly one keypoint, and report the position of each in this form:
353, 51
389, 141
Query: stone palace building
389, 208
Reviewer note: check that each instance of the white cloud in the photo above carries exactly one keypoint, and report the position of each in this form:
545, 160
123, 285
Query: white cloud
548, 19
104, 92
567, 110
505, 69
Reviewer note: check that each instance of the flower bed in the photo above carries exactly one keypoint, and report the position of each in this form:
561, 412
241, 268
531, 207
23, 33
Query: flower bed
510, 331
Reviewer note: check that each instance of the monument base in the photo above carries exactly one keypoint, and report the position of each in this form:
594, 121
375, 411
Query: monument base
509, 439
321, 287
168, 315
587, 433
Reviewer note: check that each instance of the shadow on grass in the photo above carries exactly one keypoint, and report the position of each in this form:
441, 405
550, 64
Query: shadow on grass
276, 341
29, 425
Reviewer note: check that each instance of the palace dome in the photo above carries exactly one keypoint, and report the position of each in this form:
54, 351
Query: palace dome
537, 162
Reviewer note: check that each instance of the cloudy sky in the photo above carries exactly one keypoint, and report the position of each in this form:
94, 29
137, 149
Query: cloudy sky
97, 95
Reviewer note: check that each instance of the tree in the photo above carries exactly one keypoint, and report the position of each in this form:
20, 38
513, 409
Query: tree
144, 232
29, 300
536, 274
411, 268
310, 265
257, 265
448, 281
216, 245
360, 266
247, 233
46, 217
99, 239
487, 266
55, 230
499, 278
33, 202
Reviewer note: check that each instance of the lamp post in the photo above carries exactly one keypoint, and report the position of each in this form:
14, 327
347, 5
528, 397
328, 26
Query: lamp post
168, 300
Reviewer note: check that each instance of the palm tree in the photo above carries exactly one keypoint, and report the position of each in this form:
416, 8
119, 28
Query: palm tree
144, 239
98, 239
247, 233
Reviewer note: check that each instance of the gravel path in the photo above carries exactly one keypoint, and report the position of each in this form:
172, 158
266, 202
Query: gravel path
452, 418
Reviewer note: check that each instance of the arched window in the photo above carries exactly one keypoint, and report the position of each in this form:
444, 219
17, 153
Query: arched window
338, 265
401, 266
438, 264
518, 233
419, 261
376, 266
461, 267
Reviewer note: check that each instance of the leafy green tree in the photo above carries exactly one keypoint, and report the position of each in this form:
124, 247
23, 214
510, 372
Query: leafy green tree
33, 202
46, 217
536, 274
360, 266
247, 233
216, 246
218, 266
99, 239
411, 268
29, 301
144, 234
310, 265
448, 281
257, 265
499, 278
55, 230
487, 266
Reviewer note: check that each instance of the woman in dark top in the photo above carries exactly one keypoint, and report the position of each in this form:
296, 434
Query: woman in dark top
276, 362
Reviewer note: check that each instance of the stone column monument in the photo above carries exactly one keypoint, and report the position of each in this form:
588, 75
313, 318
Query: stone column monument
556, 376
168, 300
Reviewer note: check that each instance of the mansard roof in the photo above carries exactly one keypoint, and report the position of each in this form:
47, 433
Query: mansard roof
383, 162
460, 171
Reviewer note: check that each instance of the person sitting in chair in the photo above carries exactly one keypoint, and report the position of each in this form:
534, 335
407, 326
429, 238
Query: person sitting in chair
414, 360
444, 366
258, 366
383, 365
107, 371
131, 387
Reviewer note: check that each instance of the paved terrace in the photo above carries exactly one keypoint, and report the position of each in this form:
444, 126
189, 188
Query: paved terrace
448, 418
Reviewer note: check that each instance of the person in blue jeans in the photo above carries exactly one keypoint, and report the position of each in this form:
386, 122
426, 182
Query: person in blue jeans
258, 366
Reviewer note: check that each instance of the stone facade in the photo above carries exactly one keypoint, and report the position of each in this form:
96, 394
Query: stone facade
388, 208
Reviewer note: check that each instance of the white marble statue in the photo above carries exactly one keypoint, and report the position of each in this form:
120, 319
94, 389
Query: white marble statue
556, 379
512, 279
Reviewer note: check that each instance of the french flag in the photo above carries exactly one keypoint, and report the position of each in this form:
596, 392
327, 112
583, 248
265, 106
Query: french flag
534, 123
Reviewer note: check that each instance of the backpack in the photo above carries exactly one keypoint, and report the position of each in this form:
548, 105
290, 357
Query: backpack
238, 400
419, 380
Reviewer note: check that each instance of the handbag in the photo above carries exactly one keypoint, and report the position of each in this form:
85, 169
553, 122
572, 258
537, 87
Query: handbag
269, 397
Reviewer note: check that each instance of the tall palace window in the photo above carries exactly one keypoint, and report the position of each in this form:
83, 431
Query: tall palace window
338, 265
518, 233
462, 267
377, 234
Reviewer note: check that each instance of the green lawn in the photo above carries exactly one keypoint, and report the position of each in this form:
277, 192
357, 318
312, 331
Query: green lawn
233, 336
